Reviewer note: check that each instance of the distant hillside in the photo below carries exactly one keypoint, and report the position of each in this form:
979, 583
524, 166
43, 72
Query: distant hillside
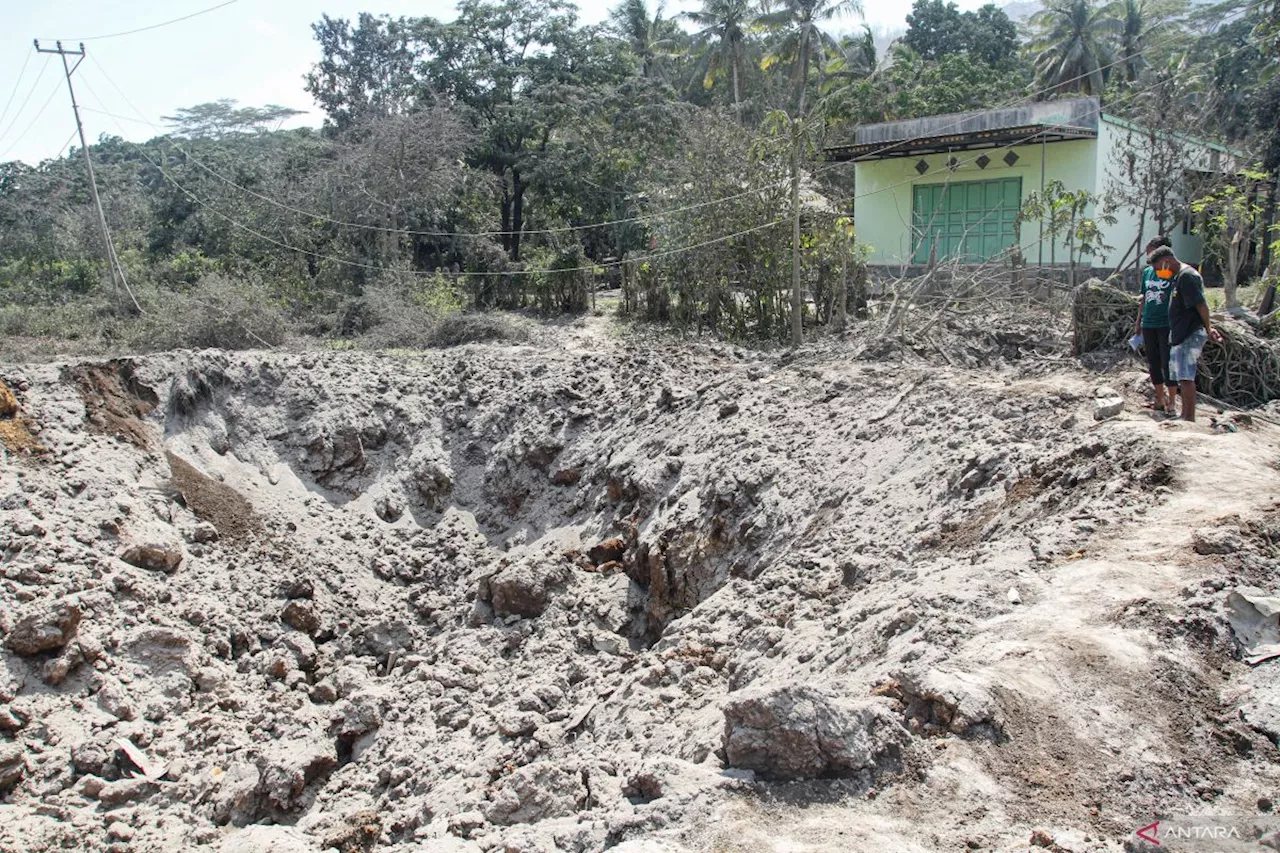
1020, 11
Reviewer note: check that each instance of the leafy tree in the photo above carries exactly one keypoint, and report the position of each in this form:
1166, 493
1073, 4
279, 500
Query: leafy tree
1229, 218
1141, 21
992, 36
801, 39
1073, 45
936, 29
722, 33
364, 71
220, 118
910, 87
520, 69
1064, 214
854, 58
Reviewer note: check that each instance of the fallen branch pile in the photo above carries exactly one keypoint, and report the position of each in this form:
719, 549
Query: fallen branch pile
1101, 316
1244, 370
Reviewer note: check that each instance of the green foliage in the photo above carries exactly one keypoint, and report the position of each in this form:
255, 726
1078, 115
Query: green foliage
1229, 217
222, 117
653, 39
936, 30
1074, 45
514, 158
366, 71
1064, 214
800, 40
912, 87
722, 27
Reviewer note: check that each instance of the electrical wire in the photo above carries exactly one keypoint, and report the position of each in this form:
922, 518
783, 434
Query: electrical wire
412, 233
429, 273
1013, 102
39, 113
152, 26
314, 216
5, 112
26, 100
357, 264
65, 144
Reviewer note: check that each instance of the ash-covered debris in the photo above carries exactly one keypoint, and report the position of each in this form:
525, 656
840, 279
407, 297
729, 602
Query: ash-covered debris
519, 599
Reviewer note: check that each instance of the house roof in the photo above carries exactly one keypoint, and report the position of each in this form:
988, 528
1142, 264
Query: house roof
1052, 121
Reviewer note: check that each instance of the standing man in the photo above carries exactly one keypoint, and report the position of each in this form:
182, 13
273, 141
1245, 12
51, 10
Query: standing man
1153, 324
1189, 325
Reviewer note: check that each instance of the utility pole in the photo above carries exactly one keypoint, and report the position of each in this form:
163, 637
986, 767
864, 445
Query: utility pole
113, 261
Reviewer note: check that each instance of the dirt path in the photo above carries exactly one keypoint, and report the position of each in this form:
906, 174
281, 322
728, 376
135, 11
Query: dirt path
1112, 721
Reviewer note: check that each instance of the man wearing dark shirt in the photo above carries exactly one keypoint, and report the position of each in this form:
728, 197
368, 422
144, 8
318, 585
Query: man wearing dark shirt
1189, 326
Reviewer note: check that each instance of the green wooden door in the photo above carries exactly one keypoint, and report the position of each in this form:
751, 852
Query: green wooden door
972, 220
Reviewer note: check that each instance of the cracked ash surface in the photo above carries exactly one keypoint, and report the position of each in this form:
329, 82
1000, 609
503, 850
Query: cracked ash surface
592, 594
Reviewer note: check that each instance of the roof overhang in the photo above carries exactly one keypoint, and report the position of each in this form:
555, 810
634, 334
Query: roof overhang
1051, 121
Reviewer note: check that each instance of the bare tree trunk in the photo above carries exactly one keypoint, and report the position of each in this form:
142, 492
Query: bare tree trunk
506, 215
1139, 257
797, 292
842, 299
517, 213
804, 72
1231, 269
737, 95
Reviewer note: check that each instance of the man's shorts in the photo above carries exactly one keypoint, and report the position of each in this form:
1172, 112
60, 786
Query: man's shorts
1183, 357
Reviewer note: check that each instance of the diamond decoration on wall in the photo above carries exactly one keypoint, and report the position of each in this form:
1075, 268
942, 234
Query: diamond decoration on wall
1010, 158
953, 163
922, 167
983, 161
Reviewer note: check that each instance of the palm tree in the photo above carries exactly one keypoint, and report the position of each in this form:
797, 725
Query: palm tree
854, 57
723, 26
1073, 45
1141, 21
652, 39
801, 38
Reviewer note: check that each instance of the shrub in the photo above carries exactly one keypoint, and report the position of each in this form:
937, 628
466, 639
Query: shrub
217, 312
473, 327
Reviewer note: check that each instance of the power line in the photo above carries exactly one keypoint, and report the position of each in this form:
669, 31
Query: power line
39, 113
411, 233
16, 86
117, 271
432, 273
1049, 89
312, 215
65, 144
27, 99
153, 26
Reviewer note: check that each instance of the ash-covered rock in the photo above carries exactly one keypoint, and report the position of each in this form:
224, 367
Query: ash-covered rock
800, 731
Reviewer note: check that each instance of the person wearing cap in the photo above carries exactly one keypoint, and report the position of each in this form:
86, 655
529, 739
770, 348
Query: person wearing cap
1152, 324
1189, 325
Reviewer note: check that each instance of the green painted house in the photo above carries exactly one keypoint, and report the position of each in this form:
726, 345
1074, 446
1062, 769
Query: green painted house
951, 186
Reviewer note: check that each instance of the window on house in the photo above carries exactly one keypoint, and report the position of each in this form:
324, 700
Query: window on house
972, 220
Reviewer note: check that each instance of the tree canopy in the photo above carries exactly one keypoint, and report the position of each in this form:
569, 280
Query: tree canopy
504, 156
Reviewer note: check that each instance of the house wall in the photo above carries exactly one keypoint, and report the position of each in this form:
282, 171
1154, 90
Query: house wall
882, 208
1114, 137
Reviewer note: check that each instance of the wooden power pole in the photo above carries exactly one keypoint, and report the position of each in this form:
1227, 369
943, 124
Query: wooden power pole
113, 261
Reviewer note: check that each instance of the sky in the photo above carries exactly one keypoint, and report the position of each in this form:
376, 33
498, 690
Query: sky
255, 51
